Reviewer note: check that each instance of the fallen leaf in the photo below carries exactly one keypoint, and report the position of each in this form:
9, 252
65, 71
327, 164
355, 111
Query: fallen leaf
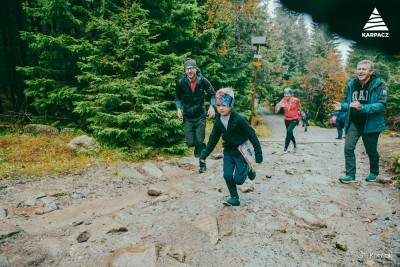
332, 214
274, 213
383, 235
389, 182
390, 229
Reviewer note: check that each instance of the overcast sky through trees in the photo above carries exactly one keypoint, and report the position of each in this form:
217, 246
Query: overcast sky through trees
344, 45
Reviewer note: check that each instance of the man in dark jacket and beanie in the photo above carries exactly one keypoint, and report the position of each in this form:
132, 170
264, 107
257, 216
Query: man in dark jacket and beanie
190, 92
364, 103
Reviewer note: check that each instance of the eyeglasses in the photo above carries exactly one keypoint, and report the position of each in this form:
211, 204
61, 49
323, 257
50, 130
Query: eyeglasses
190, 68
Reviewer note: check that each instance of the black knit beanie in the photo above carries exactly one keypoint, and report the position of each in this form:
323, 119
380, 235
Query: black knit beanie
190, 63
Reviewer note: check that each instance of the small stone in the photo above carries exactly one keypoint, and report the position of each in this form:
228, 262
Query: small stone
153, 191
178, 254
83, 237
341, 244
3, 213
40, 195
329, 234
290, 171
76, 223
118, 230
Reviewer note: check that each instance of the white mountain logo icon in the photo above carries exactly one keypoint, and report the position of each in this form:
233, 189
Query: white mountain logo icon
375, 22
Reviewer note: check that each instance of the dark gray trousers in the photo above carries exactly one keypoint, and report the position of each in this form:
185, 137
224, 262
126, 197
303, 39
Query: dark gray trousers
195, 132
235, 169
370, 141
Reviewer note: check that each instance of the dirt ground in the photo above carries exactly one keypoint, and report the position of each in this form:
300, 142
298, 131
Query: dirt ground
164, 213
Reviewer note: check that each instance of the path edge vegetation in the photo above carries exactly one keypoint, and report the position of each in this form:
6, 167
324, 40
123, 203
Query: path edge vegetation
27, 157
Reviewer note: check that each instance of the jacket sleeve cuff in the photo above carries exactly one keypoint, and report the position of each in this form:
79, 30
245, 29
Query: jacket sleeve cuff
212, 101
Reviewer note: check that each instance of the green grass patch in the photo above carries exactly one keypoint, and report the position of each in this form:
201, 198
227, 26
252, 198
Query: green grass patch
31, 156
27, 157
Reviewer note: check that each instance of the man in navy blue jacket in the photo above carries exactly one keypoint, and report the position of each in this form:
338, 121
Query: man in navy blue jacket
364, 103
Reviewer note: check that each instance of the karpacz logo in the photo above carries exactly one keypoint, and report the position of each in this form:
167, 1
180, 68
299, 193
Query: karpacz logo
375, 26
375, 34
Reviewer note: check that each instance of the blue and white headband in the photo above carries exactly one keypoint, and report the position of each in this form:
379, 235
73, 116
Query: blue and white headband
223, 98
287, 90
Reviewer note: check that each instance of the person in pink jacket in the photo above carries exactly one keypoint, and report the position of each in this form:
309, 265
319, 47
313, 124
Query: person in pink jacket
291, 106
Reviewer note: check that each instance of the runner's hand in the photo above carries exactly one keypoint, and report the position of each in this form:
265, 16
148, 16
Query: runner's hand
355, 104
337, 106
179, 113
211, 112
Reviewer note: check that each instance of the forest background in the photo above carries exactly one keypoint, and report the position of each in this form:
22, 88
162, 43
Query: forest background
109, 67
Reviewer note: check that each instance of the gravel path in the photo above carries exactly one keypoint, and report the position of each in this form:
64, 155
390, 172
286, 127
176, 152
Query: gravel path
165, 213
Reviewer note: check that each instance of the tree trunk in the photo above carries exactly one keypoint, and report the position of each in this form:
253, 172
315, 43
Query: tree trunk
11, 85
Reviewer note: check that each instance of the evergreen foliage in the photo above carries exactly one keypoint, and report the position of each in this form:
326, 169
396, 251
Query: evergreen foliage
127, 97
322, 41
110, 67
296, 41
117, 72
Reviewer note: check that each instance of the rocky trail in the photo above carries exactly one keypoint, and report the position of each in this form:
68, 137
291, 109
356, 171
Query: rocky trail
164, 213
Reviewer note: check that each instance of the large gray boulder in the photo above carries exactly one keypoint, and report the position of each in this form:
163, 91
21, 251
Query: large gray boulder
83, 143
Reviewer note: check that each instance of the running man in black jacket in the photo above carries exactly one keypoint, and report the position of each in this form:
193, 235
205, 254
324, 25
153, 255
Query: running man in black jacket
190, 93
